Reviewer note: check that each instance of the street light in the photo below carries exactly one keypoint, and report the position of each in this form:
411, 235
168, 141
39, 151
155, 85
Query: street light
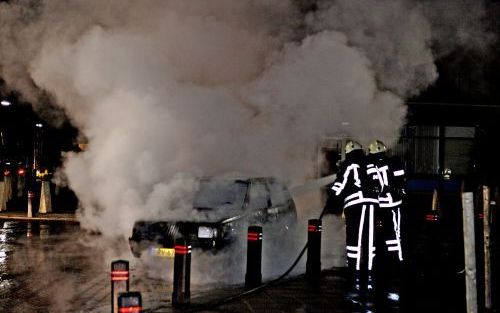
5, 103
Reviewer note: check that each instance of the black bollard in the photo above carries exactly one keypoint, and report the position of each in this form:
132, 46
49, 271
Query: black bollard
182, 273
119, 281
130, 302
313, 264
432, 216
253, 277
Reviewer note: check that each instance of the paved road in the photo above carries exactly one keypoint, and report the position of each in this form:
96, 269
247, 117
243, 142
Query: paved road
53, 268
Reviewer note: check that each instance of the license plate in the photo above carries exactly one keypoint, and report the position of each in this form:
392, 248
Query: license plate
163, 252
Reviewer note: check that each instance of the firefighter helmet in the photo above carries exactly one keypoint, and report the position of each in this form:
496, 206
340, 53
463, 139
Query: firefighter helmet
352, 145
446, 173
376, 146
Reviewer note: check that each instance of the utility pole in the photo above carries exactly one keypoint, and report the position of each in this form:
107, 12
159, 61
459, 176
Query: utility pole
469, 252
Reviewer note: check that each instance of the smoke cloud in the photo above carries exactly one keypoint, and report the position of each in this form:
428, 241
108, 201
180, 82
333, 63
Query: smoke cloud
166, 91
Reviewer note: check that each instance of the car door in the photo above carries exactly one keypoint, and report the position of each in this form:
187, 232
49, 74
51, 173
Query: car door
282, 204
259, 200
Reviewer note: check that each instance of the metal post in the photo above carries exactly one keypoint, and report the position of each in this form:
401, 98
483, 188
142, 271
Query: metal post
470, 252
435, 199
487, 247
253, 277
119, 281
313, 264
130, 302
31, 195
182, 273
3, 197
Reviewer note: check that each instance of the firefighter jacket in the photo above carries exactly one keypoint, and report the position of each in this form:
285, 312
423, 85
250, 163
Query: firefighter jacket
391, 177
353, 186
358, 195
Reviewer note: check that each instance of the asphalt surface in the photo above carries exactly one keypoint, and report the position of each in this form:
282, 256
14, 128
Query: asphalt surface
50, 267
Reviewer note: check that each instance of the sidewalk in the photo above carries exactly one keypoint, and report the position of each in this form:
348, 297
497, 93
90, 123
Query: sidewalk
291, 295
436, 291
297, 295
50, 217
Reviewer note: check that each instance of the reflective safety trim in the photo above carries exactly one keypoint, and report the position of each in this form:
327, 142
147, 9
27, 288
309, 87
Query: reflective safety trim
392, 242
399, 173
117, 275
360, 235
182, 250
358, 194
399, 236
135, 309
371, 171
357, 198
252, 237
337, 187
359, 201
371, 247
383, 172
387, 199
352, 248
353, 255
393, 296
390, 205
370, 165
396, 220
340, 186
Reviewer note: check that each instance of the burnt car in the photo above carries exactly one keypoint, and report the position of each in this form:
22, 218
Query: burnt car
222, 209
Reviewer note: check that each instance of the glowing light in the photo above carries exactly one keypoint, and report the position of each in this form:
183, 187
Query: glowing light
39, 125
5, 103
393, 296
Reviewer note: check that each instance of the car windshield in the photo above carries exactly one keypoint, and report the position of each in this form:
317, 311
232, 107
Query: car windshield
221, 194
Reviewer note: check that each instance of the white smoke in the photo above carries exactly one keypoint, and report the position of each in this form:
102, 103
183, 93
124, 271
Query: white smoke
169, 90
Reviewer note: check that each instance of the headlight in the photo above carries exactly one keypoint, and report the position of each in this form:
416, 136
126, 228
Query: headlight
207, 232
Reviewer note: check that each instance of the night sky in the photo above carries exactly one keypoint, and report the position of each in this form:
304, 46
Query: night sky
17, 122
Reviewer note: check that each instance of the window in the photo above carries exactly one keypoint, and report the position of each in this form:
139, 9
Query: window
258, 196
429, 149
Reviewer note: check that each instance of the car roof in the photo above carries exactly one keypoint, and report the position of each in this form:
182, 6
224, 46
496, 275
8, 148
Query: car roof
243, 179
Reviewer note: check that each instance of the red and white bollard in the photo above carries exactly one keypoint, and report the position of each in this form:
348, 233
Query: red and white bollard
119, 281
130, 302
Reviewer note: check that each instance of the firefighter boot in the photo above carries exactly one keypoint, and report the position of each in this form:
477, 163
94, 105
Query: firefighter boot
369, 288
354, 293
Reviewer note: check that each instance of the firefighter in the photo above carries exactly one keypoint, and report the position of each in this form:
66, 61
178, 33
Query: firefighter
354, 194
391, 177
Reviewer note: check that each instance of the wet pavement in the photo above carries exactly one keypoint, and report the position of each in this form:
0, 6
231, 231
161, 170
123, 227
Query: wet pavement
53, 267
